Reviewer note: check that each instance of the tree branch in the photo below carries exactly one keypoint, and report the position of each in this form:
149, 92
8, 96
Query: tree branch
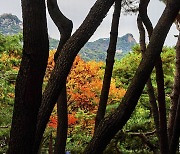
145, 140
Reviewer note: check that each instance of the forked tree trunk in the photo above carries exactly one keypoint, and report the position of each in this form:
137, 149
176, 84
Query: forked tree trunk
28, 91
110, 125
65, 28
63, 24
109, 64
65, 61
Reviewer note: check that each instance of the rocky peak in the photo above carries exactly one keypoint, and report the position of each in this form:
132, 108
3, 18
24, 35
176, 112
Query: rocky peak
10, 24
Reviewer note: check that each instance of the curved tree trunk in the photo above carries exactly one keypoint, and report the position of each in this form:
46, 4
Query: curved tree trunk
109, 64
63, 24
110, 125
164, 145
65, 61
150, 88
65, 27
142, 34
144, 16
28, 91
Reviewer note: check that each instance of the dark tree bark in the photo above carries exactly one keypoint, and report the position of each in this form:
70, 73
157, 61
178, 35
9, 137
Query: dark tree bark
110, 125
175, 93
176, 133
62, 128
150, 89
176, 127
177, 22
65, 61
142, 34
109, 64
28, 92
65, 27
63, 23
164, 145
144, 16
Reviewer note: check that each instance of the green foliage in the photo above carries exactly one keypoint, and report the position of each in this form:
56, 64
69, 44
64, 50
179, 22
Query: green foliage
81, 131
10, 55
125, 69
81, 134
11, 43
141, 120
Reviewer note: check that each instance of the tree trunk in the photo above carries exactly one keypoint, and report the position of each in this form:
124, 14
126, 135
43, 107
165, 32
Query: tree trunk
114, 122
65, 27
109, 64
28, 91
150, 89
176, 132
154, 106
164, 146
176, 127
62, 128
175, 93
65, 61
63, 24
144, 16
142, 34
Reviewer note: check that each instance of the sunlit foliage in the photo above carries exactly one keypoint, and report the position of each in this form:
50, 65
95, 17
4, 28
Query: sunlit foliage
84, 85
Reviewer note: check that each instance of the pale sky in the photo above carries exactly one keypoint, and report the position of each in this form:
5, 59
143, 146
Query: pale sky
76, 10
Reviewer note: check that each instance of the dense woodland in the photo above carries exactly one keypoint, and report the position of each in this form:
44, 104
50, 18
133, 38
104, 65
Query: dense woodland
54, 101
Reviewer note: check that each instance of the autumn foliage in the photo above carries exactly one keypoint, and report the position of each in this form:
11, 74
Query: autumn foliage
84, 85
53, 121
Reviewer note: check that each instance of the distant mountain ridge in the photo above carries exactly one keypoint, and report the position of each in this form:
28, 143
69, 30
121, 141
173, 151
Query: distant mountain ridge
99, 47
124, 43
10, 24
